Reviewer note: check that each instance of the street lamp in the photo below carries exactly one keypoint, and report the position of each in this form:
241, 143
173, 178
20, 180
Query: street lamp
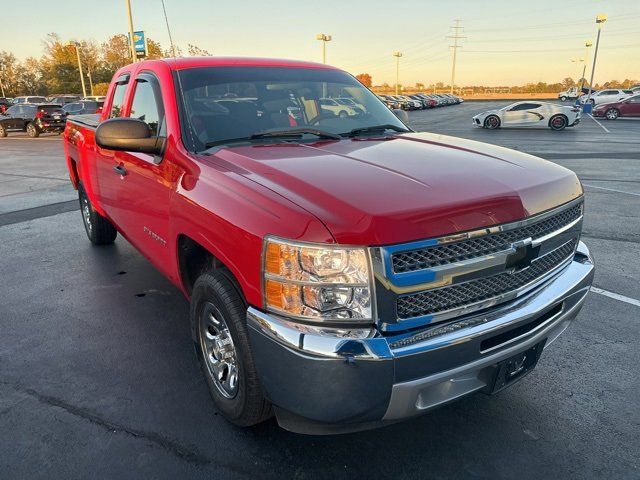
588, 44
600, 19
324, 39
397, 55
77, 47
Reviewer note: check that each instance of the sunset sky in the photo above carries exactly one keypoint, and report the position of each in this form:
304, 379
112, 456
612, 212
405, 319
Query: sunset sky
508, 41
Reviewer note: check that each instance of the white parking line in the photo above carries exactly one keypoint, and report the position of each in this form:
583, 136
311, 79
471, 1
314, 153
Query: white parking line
612, 190
603, 127
616, 296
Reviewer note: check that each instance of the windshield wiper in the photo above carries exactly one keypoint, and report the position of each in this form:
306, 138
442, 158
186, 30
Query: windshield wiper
374, 129
292, 133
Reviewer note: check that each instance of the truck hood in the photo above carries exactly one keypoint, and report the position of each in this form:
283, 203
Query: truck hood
406, 187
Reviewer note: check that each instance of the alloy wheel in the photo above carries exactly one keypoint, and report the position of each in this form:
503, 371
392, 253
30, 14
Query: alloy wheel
218, 349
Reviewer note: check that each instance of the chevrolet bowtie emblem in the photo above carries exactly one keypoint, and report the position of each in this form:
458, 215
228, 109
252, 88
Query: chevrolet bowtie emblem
523, 256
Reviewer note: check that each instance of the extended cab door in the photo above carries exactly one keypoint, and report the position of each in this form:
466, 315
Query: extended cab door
145, 182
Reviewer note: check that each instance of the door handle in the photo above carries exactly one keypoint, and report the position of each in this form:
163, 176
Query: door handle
120, 170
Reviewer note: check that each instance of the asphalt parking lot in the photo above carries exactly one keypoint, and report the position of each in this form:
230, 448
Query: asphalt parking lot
98, 377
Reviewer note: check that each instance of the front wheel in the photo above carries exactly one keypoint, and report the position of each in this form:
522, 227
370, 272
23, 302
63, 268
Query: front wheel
612, 114
33, 131
558, 122
492, 122
219, 329
563, 99
343, 114
100, 230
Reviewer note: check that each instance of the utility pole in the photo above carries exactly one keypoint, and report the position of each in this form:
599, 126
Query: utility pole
90, 79
397, 55
77, 47
1, 85
133, 48
456, 36
600, 19
588, 45
166, 19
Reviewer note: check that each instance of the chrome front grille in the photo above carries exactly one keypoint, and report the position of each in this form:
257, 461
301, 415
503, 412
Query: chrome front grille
443, 254
439, 300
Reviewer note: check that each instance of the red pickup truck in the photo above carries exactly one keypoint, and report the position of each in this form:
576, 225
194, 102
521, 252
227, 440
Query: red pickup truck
344, 272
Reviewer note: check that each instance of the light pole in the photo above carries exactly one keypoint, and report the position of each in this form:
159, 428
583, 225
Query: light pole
1, 85
324, 39
587, 45
600, 19
397, 55
133, 48
77, 47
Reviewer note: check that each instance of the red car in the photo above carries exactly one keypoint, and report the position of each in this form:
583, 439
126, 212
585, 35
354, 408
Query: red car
343, 273
629, 107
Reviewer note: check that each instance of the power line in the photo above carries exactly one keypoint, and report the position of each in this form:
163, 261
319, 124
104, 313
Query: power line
456, 36
166, 19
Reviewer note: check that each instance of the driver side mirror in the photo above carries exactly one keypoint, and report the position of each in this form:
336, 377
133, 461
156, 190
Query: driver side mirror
401, 114
128, 135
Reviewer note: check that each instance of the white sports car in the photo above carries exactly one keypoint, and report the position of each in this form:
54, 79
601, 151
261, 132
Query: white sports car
529, 114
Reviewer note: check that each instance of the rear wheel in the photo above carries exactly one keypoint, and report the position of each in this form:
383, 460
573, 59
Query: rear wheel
100, 230
218, 323
492, 122
3, 131
33, 131
558, 122
342, 114
612, 114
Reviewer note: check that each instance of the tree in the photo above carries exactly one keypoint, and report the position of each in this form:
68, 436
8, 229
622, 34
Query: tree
567, 83
8, 66
195, 51
365, 79
116, 53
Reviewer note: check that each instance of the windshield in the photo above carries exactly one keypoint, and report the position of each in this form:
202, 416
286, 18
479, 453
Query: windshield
225, 103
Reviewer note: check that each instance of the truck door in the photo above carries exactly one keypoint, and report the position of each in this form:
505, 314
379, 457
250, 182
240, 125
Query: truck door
145, 182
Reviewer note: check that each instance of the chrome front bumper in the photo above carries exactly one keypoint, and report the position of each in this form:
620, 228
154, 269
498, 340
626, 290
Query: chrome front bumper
327, 380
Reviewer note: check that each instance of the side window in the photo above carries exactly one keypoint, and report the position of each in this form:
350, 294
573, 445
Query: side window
12, 110
29, 111
118, 100
145, 106
634, 99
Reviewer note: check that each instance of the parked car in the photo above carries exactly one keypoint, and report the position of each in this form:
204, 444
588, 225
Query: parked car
33, 119
64, 99
629, 107
569, 94
95, 98
390, 102
343, 273
529, 114
4, 104
413, 104
421, 101
606, 96
340, 110
83, 107
350, 102
431, 102
18, 100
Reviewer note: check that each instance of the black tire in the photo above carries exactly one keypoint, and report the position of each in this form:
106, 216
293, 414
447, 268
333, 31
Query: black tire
33, 131
3, 131
563, 99
612, 114
492, 122
215, 293
343, 114
558, 122
100, 230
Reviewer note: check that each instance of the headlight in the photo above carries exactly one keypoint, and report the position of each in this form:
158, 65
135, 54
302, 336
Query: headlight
317, 282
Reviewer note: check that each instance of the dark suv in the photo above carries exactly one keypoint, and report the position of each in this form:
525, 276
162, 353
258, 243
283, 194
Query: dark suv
33, 119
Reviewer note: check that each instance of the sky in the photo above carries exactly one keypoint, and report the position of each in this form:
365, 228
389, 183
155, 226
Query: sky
508, 42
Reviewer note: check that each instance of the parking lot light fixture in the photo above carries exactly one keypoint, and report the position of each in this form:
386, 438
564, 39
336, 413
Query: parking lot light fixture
600, 19
324, 39
397, 55
588, 44
76, 45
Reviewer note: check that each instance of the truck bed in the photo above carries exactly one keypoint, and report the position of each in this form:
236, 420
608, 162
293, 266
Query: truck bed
90, 120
